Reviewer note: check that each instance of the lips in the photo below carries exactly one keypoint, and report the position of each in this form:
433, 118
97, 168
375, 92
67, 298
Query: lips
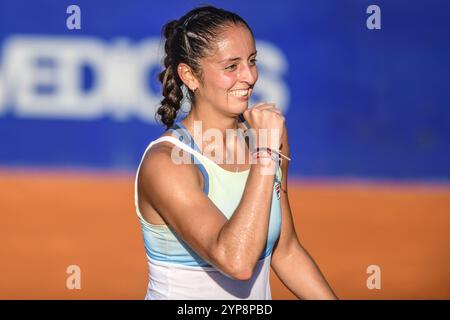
240, 92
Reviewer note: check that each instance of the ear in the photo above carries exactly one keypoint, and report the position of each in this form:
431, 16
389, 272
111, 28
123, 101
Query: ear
187, 76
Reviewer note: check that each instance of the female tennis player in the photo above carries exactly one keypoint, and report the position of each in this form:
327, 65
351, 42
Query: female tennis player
213, 228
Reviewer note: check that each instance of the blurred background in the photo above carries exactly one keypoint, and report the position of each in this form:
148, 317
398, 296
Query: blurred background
368, 114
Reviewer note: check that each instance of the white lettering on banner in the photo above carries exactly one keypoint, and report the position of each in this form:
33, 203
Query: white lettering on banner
2, 93
272, 67
120, 77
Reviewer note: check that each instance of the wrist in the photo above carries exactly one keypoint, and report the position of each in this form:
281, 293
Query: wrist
266, 155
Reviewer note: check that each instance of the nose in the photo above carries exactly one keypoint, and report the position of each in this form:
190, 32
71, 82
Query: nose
248, 73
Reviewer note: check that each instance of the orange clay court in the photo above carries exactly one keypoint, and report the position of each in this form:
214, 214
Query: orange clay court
51, 220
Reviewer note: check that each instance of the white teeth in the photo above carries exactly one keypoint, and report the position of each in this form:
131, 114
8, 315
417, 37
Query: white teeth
239, 93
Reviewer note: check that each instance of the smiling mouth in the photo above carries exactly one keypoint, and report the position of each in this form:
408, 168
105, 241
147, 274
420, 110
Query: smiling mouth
240, 93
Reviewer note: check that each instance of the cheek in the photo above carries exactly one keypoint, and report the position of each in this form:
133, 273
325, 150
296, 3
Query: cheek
228, 80
222, 83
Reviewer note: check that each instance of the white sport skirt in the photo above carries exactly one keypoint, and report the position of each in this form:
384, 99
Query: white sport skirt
178, 282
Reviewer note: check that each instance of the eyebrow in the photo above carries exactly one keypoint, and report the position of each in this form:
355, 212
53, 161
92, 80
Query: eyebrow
237, 58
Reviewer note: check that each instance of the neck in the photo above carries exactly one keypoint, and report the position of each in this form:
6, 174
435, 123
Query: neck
212, 119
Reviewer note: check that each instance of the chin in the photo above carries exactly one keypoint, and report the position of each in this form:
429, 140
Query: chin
240, 107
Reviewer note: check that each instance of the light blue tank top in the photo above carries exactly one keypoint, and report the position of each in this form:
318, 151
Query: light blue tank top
224, 188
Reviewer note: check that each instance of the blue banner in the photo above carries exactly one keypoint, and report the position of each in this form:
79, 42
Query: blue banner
365, 89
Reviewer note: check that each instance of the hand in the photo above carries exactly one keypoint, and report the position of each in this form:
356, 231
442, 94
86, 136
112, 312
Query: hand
267, 123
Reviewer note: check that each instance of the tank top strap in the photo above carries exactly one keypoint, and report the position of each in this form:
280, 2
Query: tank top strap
183, 135
178, 143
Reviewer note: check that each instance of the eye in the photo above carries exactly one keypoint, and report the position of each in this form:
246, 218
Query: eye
233, 66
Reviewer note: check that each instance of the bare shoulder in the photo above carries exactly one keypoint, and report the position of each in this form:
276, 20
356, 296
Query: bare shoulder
163, 147
160, 152
159, 171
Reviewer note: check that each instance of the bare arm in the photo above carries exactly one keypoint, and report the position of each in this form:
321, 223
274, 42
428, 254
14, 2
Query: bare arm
245, 234
290, 261
174, 190
233, 246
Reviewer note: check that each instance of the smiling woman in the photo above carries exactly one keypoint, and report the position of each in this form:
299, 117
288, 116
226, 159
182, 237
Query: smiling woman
212, 230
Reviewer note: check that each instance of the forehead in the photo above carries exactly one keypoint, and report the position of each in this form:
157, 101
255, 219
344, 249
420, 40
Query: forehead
235, 41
